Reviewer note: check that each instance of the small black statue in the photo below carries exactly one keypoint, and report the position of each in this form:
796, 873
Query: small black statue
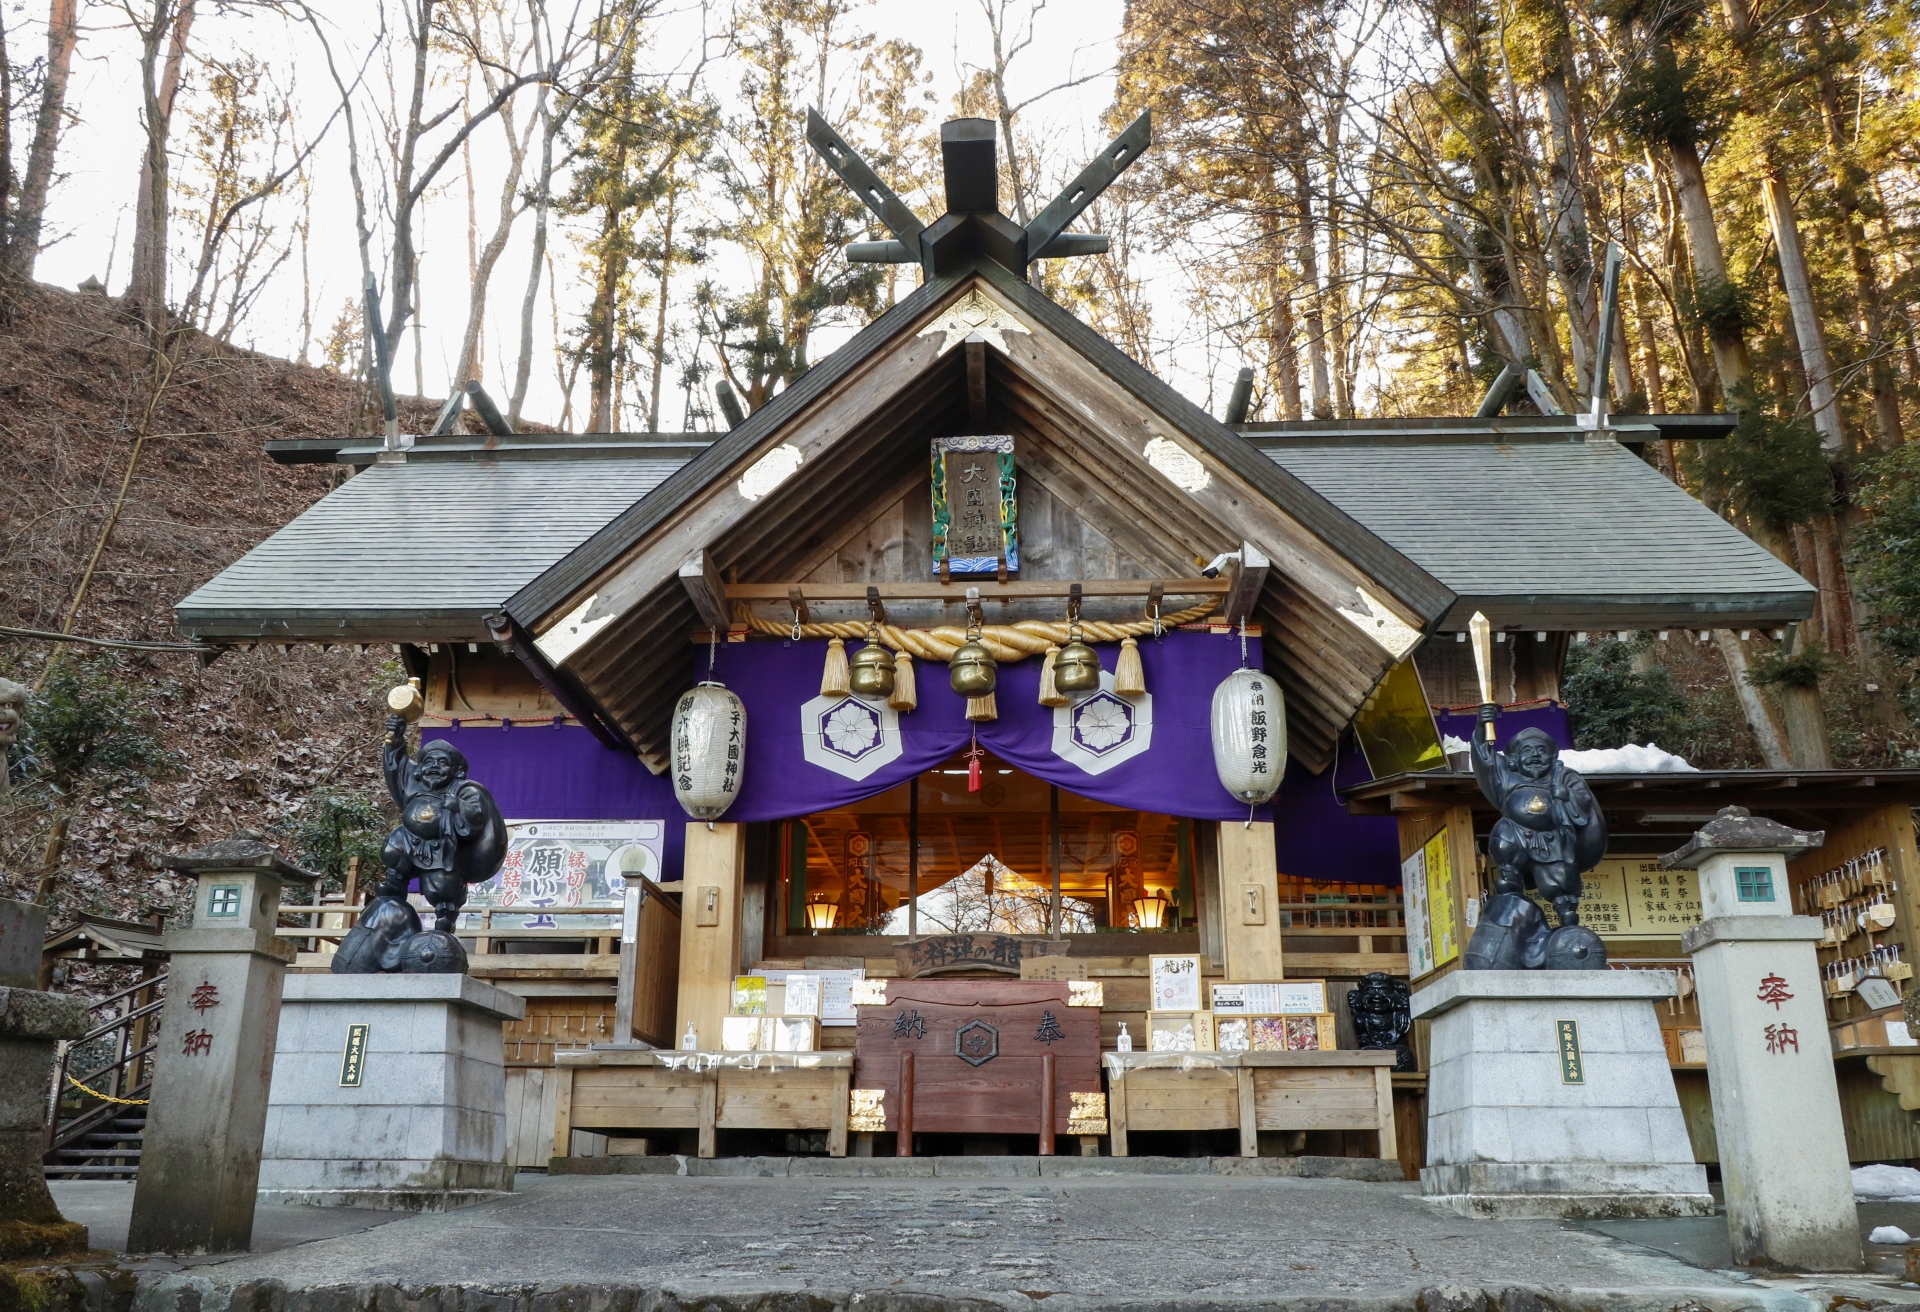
1550, 832
450, 835
1381, 1010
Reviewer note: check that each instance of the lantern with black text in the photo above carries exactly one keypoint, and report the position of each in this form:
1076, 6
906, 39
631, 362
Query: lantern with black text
1249, 735
709, 750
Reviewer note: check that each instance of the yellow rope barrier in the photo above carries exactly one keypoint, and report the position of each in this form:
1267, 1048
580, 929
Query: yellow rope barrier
107, 1097
1010, 643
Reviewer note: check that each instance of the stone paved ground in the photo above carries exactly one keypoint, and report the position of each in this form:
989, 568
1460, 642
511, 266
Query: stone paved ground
644, 1242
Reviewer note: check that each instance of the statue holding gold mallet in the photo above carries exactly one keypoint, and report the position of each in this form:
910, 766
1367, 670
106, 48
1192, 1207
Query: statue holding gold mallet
450, 835
1550, 832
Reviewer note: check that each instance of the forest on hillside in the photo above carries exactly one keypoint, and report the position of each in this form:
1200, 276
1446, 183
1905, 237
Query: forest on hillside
603, 208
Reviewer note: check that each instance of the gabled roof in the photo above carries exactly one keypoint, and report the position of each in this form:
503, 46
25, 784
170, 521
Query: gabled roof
1543, 529
417, 552
1340, 605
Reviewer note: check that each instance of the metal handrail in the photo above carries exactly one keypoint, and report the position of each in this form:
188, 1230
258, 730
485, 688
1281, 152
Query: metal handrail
121, 1017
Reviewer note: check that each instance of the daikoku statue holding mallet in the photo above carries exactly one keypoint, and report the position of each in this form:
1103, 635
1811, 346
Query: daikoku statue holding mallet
1550, 832
450, 835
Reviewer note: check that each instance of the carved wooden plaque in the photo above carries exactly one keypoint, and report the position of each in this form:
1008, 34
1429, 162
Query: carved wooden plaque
946, 953
976, 1046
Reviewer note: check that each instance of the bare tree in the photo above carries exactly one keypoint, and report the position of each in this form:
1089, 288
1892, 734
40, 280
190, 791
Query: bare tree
163, 28
21, 246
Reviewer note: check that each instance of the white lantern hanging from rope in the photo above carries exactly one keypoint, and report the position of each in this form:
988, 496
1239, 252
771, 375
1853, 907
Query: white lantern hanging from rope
1249, 735
709, 750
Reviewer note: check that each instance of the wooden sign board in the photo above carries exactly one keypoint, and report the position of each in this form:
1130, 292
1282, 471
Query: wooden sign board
946, 954
976, 1046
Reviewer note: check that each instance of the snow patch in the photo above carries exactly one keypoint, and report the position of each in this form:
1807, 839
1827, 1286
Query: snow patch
1888, 1234
1899, 1184
1631, 759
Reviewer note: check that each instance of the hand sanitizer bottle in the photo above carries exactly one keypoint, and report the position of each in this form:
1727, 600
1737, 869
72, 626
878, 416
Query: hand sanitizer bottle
687, 1041
1125, 1042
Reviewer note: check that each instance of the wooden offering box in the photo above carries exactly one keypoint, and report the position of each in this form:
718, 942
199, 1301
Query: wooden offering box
1250, 1092
634, 1090
969, 1056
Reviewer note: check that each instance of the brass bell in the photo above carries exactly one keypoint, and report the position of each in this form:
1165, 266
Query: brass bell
870, 672
972, 671
1076, 669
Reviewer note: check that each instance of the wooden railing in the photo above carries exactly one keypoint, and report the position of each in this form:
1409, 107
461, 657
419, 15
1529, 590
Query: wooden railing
606, 939
126, 1025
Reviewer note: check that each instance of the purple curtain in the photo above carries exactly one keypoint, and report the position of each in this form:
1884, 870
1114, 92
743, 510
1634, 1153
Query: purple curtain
1173, 775
1315, 838
1550, 716
560, 772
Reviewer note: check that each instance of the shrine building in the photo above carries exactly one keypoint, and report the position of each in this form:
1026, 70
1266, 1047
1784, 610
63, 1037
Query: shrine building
979, 463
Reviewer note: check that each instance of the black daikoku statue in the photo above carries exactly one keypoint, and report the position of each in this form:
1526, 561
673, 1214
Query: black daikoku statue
450, 835
1550, 832
1381, 1011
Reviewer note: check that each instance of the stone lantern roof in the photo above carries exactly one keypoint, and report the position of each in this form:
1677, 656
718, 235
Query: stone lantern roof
1737, 829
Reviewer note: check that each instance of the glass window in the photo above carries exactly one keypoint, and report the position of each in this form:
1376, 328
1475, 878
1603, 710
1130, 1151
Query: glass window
1755, 883
985, 861
223, 900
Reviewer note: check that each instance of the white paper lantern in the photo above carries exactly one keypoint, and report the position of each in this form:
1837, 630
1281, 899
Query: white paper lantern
709, 750
1249, 735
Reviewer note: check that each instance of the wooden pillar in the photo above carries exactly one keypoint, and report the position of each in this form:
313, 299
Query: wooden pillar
709, 929
1249, 892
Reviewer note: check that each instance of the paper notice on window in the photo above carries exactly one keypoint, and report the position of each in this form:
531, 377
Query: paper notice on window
836, 991
1300, 997
1898, 1036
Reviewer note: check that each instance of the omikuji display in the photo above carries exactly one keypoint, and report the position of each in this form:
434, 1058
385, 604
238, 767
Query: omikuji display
709, 750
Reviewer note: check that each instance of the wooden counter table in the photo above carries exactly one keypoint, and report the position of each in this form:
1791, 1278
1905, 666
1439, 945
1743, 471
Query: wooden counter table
1250, 1091
640, 1089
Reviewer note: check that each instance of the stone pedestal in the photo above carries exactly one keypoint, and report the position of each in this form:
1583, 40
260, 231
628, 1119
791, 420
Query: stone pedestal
389, 1091
31, 1022
1776, 1105
201, 1151
1550, 1095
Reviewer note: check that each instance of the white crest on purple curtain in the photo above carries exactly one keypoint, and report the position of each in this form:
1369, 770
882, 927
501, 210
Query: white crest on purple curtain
851, 736
1101, 730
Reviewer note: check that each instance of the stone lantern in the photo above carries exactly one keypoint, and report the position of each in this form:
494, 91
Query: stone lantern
1776, 1106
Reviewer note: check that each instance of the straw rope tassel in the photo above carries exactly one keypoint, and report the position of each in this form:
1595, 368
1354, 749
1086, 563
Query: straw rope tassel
833, 679
1050, 694
1129, 678
983, 708
1007, 643
905, 696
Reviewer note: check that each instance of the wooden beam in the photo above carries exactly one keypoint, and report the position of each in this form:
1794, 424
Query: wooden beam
989, 591
1249, 576
976, 382
1250, 892
701, 578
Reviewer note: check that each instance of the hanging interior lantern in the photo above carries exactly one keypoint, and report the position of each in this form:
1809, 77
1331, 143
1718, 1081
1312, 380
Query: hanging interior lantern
820, 912
870, 671
971, 671
1150, 910
1249, 725
709, 750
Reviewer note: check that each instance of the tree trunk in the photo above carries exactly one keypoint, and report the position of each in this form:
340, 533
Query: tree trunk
1283, 359
1871, 319
489, 255
1306, 250
23, 241
405, 261
1806, 728
660, 312
1765, 734
1806, 319
147, 286
542, 201
50, 859
1709, 264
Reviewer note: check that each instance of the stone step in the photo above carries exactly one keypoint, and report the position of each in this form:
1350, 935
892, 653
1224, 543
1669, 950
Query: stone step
83, 1154
1307, 1167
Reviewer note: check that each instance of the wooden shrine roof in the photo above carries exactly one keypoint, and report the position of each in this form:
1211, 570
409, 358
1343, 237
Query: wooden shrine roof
1540, 528
1682, 798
